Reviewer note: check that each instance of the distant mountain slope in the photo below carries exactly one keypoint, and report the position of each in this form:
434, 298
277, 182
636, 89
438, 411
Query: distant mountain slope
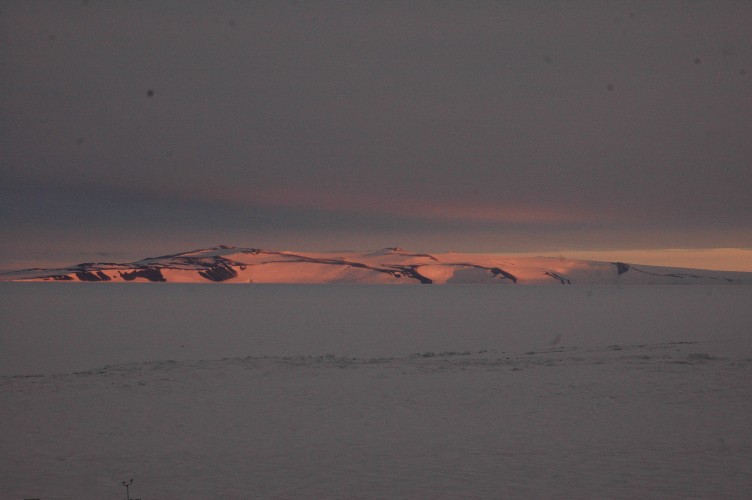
386, 266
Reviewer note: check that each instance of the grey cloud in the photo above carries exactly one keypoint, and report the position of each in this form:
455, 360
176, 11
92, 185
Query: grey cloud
597, 107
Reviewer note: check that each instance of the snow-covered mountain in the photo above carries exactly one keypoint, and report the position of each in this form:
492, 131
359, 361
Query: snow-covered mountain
386, 266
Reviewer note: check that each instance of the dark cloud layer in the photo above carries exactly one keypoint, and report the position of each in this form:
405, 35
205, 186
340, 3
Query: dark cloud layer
474, 126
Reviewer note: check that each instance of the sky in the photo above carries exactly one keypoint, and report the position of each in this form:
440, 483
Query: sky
130, 129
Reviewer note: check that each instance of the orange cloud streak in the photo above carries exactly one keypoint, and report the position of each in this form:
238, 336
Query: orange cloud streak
441, 210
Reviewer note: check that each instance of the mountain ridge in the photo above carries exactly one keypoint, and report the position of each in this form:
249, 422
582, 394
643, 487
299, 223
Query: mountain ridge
391, 265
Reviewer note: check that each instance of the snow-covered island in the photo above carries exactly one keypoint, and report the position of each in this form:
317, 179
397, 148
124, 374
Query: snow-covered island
227, 264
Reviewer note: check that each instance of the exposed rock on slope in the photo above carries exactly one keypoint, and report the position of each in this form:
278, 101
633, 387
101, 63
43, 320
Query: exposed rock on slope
387, 266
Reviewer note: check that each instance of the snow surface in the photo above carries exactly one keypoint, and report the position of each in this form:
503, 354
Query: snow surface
386, 266
281, 391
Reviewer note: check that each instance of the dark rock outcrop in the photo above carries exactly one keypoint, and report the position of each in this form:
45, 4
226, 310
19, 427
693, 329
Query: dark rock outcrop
150, 273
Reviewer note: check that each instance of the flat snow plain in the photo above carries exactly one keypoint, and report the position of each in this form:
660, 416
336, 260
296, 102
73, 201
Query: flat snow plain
283, 391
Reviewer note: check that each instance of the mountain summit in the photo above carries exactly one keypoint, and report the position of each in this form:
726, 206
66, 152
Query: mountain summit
394, 265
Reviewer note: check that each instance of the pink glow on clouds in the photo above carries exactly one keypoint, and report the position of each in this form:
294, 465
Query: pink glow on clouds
447, 209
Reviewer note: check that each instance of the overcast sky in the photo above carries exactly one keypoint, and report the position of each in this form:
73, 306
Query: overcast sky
132, 128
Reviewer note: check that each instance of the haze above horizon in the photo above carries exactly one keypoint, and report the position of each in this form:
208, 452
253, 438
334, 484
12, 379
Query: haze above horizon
608, 131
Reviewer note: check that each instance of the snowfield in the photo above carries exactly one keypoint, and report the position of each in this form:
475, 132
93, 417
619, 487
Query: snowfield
228, 264
281, 391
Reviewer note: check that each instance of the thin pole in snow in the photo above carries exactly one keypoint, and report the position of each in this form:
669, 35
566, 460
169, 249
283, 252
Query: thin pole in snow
127, 489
